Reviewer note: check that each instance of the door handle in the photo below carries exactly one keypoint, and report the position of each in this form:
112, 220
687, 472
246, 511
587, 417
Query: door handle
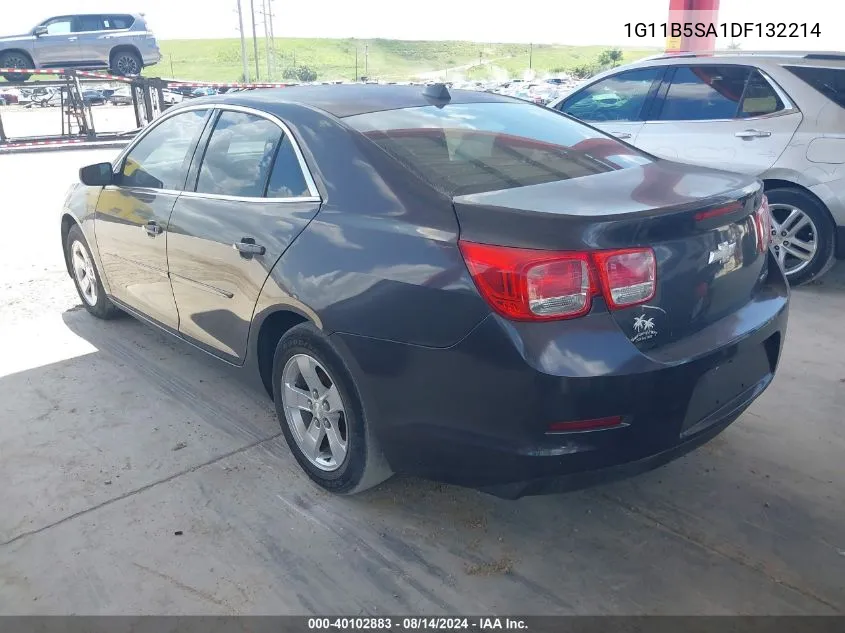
247, 246
71, 39
622, 135
749, 134
153, 229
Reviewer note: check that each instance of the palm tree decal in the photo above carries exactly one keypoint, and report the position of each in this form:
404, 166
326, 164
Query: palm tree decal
642, 324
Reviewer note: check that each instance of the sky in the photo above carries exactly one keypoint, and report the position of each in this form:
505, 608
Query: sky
576, 22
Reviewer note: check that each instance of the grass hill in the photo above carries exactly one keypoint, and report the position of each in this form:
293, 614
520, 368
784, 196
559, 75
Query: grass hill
220, 60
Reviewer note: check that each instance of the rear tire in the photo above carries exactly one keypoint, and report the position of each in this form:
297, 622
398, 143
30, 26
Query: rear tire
126, 63
297, 401
820, 232
13, 59
86, 277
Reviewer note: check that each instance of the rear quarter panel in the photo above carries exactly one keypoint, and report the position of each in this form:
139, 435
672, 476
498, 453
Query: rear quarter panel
380, 259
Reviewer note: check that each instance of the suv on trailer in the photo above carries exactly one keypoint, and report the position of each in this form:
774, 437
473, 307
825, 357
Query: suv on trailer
120, 42
777, 116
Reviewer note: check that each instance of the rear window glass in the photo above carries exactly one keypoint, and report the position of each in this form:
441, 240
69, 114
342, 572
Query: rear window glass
114, 22
467, 148
828, 81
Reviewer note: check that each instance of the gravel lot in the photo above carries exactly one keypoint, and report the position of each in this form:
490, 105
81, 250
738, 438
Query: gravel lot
139, 477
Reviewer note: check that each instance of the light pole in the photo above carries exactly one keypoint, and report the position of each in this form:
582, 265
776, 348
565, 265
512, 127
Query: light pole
272, 39
254, 38
243, 41
531, 56
264, 12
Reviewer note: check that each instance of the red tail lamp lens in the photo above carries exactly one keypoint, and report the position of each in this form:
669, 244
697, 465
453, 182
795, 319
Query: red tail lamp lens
586, 425
628, 277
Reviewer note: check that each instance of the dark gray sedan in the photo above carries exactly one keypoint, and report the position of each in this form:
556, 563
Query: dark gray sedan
462, 286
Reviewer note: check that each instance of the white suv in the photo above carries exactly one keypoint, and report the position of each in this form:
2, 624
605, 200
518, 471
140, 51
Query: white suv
777, 116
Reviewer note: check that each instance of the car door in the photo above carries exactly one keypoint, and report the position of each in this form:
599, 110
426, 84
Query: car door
59, 45
723, 116
615, 104
132, 217
90, 32
253, 195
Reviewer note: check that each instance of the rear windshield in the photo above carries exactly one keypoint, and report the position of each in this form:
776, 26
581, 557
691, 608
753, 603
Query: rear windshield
466, 148
829, 81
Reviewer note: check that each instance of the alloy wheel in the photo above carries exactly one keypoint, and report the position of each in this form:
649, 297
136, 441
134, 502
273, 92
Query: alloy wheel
127, 65
315, 412
794, 237
16, 61
83, 270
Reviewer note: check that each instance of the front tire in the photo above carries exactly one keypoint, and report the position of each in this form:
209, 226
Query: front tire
13, 59
321, 414
803, 234
80, 262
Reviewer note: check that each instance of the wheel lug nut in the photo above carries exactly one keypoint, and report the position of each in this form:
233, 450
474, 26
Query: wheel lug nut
785, 243
326, 423
316, 395
783, 234
326, 405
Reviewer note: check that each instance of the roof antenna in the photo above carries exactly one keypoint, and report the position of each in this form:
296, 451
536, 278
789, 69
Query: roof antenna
440, 92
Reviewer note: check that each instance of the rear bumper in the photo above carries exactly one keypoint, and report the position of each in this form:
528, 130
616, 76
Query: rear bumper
477, 414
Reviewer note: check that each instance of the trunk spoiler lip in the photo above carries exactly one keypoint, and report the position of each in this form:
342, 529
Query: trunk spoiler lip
702, 205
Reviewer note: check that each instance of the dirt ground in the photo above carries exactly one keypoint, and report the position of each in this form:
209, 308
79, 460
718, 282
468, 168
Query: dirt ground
139, 478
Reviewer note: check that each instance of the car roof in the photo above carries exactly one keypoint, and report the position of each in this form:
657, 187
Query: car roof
750, 58
343, 100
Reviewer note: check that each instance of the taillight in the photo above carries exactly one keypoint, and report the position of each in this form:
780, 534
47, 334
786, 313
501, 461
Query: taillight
628, 277
763, 225
535, 285
530, 285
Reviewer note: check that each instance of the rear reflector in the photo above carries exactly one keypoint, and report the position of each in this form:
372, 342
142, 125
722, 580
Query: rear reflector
534, 285
585, 425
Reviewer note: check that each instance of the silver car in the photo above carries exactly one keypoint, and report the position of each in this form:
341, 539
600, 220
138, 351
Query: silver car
120, 42
777, 116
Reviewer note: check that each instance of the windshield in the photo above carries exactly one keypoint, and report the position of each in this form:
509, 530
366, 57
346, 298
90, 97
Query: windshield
467, 148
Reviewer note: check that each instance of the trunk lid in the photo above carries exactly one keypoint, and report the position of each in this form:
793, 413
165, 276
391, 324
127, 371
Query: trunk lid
699, 222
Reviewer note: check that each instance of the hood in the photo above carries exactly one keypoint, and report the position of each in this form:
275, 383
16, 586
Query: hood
12, 39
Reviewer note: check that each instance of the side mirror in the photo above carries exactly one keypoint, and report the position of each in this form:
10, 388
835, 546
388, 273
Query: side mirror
38, 31
99, 175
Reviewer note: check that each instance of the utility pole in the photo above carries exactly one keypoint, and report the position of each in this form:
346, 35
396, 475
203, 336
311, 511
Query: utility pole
264, 4
366, 60
243, 42
254, 38
272, 38
356, 63
531, 56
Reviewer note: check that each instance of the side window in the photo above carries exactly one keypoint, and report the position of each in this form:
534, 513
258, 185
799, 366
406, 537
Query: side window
115, 22
828, 81
760, 98
617, 98
239, 155
704, 93
287, 180
161, 159
88, 23
59, 26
